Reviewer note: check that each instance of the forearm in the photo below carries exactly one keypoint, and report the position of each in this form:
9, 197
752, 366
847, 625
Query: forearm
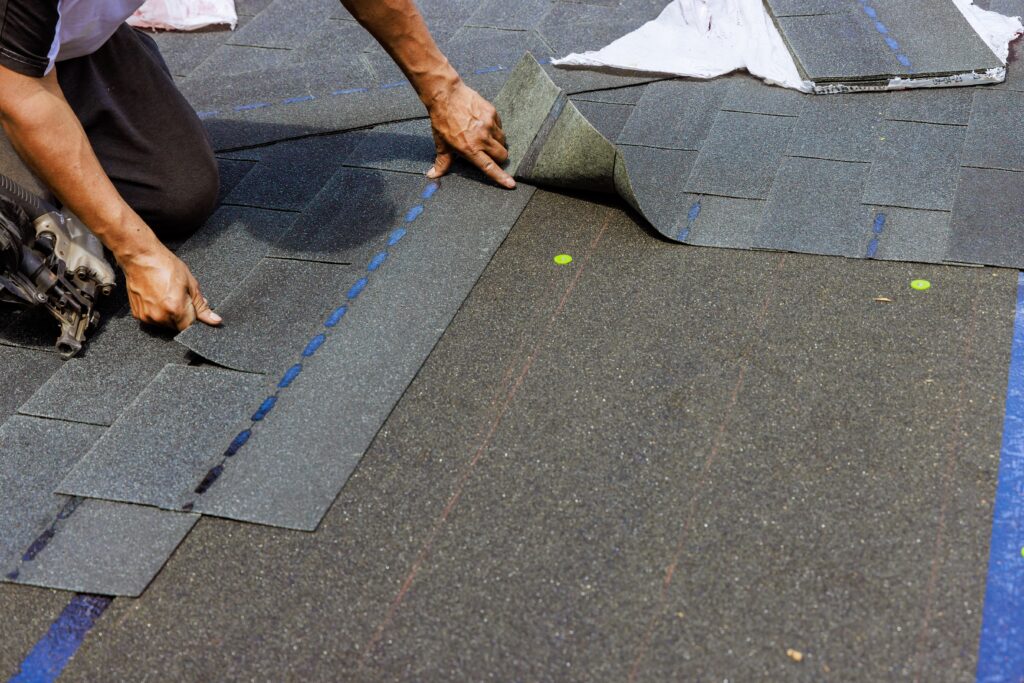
399, 28
47, 135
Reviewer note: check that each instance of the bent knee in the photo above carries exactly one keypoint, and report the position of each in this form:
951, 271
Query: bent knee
185, 202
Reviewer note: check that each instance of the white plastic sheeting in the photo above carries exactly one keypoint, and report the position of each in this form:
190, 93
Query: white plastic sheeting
708, 38
994, 28
184, 15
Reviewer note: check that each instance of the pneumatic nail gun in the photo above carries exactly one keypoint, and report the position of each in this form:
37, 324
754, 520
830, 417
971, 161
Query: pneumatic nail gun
48, 258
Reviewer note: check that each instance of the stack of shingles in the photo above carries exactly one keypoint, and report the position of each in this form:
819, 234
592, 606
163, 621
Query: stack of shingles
337, 267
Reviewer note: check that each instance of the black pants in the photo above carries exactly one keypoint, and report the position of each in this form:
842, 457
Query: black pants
146, 135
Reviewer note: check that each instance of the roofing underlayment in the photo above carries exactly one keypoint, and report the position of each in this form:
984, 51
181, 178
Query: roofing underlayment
658, 462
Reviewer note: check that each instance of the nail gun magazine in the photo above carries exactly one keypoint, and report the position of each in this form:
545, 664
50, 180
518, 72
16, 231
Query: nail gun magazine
49, 259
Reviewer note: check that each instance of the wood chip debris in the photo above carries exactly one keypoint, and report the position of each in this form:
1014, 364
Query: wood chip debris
795, 655
883, 299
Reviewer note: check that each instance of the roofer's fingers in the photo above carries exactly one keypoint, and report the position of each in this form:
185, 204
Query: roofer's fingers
497, 131
442, 164
496, 151
201, 306
186, 316
486, 164
443, 160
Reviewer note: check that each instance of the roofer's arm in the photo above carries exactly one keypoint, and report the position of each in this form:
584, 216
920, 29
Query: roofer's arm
48, 136
463, 121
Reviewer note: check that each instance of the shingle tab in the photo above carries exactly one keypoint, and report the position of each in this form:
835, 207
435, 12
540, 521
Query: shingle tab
22, 372
228, 247
815, 207
675, 114
166, 441
658, 178
995, 137
839, 127
750, 95
291, 173
913, 235
280, 306
985, 226
740, 156
34, 456
940, 105
107, 549
117, 364
915, 166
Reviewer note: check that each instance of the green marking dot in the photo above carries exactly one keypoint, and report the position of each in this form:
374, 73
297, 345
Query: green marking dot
920, 285
563, 259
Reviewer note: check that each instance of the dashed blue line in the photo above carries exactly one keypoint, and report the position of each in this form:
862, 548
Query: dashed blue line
212, 476
336, 316
413, 213
290, 376
357, 288
264, 409
238, 442
876, 229
879, 225
396, 237
884, 31
314, 344
350, 91
691, 221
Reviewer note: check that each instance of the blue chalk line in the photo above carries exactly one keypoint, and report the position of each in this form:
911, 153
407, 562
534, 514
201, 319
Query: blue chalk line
46, 661
1001, 651
883, 30
496, 68
876, 230
691, 221
294, 372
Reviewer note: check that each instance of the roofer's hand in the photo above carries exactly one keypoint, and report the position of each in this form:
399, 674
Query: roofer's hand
162, 291
467, 124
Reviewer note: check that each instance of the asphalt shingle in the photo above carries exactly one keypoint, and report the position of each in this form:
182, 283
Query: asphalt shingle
273, 314
915, 166
815, 207
162, 446
741, 155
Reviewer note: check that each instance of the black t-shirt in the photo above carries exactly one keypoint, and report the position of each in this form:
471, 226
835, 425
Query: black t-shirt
35, 33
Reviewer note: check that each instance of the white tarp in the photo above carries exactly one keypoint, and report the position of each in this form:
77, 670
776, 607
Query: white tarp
184, 15
708, 38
